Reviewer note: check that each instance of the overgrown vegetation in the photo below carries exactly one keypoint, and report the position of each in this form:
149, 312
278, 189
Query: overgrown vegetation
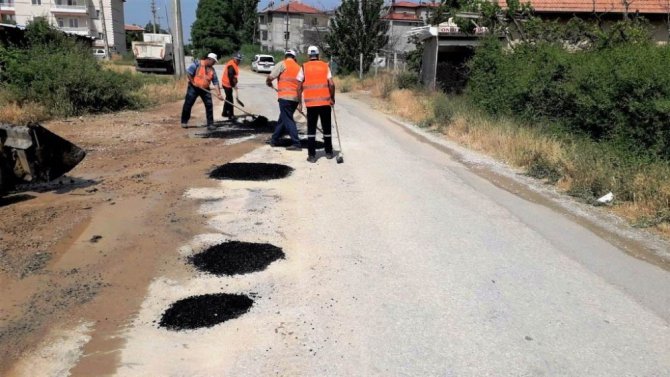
49, 74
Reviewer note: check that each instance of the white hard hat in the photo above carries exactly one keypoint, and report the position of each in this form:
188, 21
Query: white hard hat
290, 52
213, 56
312, 50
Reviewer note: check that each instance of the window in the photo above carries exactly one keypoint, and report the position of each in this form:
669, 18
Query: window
36, 2
100, 36
60, 22
71, 2
97, 14
8, 18
264, 35
74, 22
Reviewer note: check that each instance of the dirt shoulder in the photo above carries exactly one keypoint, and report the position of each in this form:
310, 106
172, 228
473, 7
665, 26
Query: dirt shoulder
88, 245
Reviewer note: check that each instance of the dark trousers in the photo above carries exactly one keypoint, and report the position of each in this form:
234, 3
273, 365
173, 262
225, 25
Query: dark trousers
286, 123
313, 115
228, 105
192, 94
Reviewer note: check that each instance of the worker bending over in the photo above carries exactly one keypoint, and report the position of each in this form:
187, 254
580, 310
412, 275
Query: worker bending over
231, 72
317, 89
200, 75
286, 74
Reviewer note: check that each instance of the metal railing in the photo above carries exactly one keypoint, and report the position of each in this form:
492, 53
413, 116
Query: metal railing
7, 3
77, 7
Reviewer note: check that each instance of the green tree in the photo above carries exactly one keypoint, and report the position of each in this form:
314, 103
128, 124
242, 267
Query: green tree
221, 26
149, 28
352, 33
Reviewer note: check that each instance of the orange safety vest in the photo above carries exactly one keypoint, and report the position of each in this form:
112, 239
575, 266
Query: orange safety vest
315, 89
203, 76
287, 83
225, 82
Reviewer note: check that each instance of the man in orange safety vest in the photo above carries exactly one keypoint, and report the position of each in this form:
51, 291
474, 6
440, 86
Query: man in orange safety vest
231, 71
286, 73
318, 90
200, 75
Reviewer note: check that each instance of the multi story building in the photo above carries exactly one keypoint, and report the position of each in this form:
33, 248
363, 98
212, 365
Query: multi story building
81, 17
402, 16
291, 24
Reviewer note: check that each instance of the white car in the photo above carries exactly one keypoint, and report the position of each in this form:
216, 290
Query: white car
262, 63
99, 53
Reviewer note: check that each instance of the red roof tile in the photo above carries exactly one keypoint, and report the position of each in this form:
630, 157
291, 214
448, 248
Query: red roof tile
132, 28
401, 17
601, 6
294, 7
408, 4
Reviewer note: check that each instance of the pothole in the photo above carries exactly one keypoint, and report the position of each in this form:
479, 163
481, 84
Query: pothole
251, 171
235, 257
204, 311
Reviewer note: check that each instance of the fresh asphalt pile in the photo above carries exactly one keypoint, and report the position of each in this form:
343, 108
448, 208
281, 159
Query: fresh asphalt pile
256, 171
235, 257
204, 311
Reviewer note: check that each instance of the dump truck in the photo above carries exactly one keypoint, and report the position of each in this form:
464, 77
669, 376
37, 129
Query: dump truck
154, 53
33, 154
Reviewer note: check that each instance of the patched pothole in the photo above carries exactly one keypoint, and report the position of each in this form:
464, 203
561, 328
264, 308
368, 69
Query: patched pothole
251, 171
204, 311
235, 257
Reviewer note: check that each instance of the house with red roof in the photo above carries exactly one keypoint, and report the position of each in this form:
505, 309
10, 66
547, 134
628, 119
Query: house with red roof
291, 24
402, 16
656, 11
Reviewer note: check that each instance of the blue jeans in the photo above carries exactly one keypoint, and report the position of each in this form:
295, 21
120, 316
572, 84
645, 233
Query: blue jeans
286, 122
192, 94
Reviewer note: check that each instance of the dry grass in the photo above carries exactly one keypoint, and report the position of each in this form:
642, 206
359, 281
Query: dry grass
581, 168
164, 92
11, 112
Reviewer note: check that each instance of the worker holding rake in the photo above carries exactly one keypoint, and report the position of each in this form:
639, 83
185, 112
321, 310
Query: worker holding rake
286, 73
200, 75
317, 88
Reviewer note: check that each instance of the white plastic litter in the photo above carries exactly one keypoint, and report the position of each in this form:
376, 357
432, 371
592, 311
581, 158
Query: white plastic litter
606, 198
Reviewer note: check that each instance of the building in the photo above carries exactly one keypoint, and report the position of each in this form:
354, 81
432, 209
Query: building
607, 11
402, 16
80, 17
306, 26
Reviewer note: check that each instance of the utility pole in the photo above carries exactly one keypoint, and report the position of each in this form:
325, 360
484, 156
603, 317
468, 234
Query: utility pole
153, 11
104, 30
178, 40
360, 42
287, 33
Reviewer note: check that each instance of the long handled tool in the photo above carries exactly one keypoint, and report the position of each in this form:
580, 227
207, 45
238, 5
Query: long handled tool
258, 120
237, 97
340, 156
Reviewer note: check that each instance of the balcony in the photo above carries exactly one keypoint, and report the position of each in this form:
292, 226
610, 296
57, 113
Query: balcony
6, 5
69, 9
76, 30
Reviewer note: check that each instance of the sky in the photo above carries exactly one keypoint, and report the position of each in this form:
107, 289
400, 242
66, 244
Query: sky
138, 12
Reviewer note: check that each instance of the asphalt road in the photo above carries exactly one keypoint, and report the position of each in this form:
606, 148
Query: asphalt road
402, 262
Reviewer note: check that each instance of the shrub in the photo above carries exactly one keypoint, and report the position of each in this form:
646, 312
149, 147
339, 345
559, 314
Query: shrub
407, 80
619, 94
442, 111
60, 74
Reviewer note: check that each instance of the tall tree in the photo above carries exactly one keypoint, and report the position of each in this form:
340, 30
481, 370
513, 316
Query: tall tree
353, 33
221, 26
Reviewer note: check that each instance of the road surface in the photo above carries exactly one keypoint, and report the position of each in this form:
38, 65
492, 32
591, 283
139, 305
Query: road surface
400, 262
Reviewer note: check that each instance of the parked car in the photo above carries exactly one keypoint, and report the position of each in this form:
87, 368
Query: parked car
262, 63
99, 53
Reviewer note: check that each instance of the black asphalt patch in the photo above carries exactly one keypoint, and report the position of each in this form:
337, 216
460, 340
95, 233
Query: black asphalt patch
204, 311
251, 171
235, 257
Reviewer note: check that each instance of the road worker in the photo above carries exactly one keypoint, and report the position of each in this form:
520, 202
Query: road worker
231, 72
286, 73
200, 75
317, 89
